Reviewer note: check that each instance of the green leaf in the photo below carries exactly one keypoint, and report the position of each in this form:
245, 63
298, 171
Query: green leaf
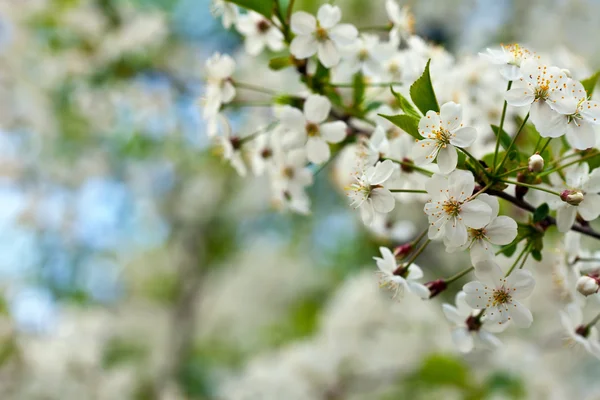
407, 123
442, 370
358, 94
509, 250
541, 212
278, 63
504, 138
264, 7
405, 105
590, 83
537, 255
422, 94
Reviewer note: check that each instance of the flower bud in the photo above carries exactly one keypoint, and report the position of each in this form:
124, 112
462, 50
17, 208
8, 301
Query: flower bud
572, 197
587, 285
436, 287
402, 250
536, 163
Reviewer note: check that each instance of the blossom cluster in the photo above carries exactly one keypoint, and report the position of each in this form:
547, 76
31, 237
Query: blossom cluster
476, 142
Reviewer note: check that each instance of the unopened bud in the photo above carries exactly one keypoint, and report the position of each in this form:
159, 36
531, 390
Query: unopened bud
436, 287
587, 285
403, 250
536, 163
572, 197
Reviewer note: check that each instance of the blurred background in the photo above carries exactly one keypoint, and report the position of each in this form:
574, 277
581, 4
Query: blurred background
136, 264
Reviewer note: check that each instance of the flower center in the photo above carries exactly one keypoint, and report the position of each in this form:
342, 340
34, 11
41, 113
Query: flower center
312, 129
263, 26
289, 172
394, 68
321, 34
541, 91
500, 296
266, 153
363, 55
442, 136
452, 207
477, 234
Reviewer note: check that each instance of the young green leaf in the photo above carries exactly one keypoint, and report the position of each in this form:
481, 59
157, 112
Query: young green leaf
278, 63
504, 138
264, 7
422, 94
590, 83
541, 212
407, 123
358, 94
405, 105
537, 255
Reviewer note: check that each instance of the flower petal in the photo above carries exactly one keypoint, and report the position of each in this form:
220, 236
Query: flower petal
418, 289
464, 137
520, 315
424, 151
381, 172
303, 46
475, 214
565, 217
453, 315
447, 159
548, 122
333, 132
521, 284
429, 123
501, 230
519, 96
329, 15
589, 208
451, 116
463, 339
328, 53
456, 232
292, 119
303, 23
343, 34
317, 150
488, 272
581, 135
383, 200
316, 108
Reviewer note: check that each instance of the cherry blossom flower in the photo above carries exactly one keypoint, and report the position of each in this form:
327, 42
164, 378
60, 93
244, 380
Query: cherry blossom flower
369, 194
577, 333
441, 133
366, 55
402, 21
509, 58
501, 230
227, 10
469, 327
312, 126
499, 295
289, 178
544, 89
230, 147
322, 35
580, 193
451, 211
219, 89
399, 278
578, 116
259, 33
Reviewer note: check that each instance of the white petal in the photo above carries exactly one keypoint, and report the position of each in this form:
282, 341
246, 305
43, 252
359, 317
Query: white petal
489, 273
386, 264
414, 272
451, 116
475, 214
329, 15
461, 184
317, 150
520, 96
589, 208
367, 212
593, 183
501, 230
228, 92
491, 201
590, 110
430, 122
461, 305
293, 119
447, 159
303, 46
456, 232
254, 45
565, 217
548, 122
383, 200
424, 151
328, 53
581, 136
463, 339
343, 34
436, 185
452, 314
418, 289
521, 283
481, 251
510, 72
464, 137
316, 108
382, 172
520, 315
489, 340
303, 23
333, 132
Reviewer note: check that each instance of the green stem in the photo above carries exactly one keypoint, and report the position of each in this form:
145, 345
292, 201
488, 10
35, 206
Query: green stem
568, 164
512, 143
255, 88
537, 145
555, 162
482, 190
545, 145
475, 161
374, 84
525, 258
512, 171
593, 322
407, 191
526, 248
421, 236
417, 253
411, 166
531, 186
501, 126
381, 28
458, 275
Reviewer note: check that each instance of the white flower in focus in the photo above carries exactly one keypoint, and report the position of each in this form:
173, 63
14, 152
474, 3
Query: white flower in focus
219, 89
544, 89
579, 116
402, 20
509, 57
322, 35
369, 193
469, 327
501, 230
399, 278
259, 33
499, 295
366, 54
227, 10
577, 333
450, 211
310, 125
441, 133
580, 188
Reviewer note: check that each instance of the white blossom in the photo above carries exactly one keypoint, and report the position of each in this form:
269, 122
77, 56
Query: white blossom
227, 10
369, 193
577, 333
498, 295
259, 33
402, 20
441, 133
219, 89
509, 58
323, 35
399, 278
